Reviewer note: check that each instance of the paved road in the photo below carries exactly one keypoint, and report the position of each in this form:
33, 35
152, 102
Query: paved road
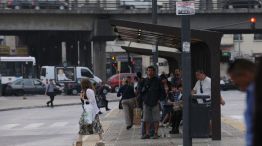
59, 126
41, 127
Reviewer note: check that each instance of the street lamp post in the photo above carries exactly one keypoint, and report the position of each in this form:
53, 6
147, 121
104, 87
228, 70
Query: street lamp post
78, 53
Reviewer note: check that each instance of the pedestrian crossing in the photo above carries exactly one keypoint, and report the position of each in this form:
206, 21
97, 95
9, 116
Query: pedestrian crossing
39, 125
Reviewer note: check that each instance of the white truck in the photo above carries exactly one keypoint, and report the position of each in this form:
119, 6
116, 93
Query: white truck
67, 74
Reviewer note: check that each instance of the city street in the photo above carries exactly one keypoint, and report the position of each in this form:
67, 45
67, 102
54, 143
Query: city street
58, 126
41, 126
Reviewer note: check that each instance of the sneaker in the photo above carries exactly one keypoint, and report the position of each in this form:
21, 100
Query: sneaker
166, 124
128, 127
155, 136
174, 132
145, 137
108, 109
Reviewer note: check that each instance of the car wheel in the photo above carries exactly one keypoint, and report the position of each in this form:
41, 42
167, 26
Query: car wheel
74, 92
20, 93
17, 7
105, 91
116, 89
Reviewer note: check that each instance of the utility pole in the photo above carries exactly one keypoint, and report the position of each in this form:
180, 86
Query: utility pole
78, 53
155, 48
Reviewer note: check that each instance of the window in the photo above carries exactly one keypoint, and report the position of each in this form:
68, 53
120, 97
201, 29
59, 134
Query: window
43, 72
86, 73
238, 37
27, 82
36, 82
257, 36
18, 82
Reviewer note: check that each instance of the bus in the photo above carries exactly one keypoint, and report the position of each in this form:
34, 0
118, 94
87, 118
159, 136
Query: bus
13, 68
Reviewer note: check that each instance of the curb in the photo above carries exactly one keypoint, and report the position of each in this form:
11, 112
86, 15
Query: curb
39, 106
44, 106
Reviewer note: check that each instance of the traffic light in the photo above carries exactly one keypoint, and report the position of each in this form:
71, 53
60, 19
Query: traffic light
113, 58
253, 21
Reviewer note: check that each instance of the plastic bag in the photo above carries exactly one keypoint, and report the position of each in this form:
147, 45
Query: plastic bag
88, 114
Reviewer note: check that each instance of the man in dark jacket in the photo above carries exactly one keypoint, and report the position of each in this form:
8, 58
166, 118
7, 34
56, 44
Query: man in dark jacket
152, 93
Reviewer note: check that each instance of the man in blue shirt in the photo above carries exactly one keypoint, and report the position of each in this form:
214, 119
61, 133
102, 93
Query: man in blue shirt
242, 72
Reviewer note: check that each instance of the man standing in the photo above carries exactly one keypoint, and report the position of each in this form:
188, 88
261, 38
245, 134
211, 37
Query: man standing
242, 72
153, 92
203, 84
177, 79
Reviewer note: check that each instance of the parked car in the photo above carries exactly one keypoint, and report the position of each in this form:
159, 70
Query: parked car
27, 86
114, 80
51, 4
227, 85
242, 4
21, 4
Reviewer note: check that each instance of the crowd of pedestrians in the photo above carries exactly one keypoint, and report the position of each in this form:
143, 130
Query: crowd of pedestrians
161, 99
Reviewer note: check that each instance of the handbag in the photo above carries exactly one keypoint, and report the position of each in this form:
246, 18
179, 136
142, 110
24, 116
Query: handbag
137, 113
100, 102
137, 116
88, 114
178, 105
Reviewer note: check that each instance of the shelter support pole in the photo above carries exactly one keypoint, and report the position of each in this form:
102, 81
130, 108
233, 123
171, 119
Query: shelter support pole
215, 93
186, 69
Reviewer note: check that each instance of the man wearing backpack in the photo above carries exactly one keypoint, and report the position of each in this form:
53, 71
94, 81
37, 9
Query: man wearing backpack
152, 93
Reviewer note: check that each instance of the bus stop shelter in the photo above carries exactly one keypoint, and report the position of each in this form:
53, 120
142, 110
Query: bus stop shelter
205, 54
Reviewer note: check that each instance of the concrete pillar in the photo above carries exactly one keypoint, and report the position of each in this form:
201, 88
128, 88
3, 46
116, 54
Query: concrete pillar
99, 59
85, 54
63, 44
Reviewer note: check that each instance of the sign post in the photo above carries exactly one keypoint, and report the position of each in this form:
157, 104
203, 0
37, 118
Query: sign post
119, 71
186, 8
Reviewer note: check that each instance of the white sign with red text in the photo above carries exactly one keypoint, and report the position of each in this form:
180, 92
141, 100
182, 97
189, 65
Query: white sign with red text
185, 8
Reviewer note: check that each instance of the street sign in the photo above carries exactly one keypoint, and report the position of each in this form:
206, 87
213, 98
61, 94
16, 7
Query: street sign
185, 8
186, 47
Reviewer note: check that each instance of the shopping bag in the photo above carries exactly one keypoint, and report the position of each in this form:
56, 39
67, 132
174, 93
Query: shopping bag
88, 114
137, 116
178, 105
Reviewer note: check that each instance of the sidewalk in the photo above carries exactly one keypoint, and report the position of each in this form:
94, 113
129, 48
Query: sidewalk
39, 101
117, 135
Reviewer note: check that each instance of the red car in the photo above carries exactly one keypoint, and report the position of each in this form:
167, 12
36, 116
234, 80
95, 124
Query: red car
114, 80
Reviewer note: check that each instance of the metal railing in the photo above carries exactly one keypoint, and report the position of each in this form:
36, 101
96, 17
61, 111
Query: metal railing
131, 5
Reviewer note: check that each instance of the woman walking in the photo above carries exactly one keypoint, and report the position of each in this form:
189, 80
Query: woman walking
50, 91
128, 101
88, 97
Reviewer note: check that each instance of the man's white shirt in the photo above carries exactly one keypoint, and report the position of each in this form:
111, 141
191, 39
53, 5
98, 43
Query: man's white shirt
206, 86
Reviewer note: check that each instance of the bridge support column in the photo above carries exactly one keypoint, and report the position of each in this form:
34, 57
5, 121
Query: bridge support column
85, 54
99, 59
